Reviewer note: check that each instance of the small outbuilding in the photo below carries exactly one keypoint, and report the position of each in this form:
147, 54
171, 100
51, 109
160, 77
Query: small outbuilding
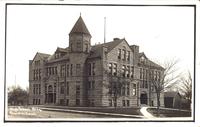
172, 99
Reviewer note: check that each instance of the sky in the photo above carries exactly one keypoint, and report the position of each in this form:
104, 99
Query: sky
162, 32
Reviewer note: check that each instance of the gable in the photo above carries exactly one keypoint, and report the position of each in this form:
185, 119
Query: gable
122, 45
40, 57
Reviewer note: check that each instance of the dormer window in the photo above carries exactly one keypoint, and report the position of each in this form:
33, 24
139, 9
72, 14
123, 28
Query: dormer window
57, 55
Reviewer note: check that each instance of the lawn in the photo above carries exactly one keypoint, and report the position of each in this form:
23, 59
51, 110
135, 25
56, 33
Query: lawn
169, 112
118, 110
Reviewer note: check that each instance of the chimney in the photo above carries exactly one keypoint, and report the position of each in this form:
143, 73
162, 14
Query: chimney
135, 50
115, 39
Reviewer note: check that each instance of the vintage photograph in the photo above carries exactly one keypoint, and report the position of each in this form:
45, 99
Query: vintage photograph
69, 62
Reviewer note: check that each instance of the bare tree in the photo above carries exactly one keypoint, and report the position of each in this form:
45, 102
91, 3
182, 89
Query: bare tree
116, 88
185, 86
168, 79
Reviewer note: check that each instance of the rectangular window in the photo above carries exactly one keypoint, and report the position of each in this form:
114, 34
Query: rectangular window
128, 89
134, 89
93, 69
114, 88
93, 85
77, 102
123, 103
146, 74
49, 71
67, 102
33, 101
128, 103
67, 88
33, 88
61, 101
119, 53
56, 72
52, 69
92, 102
68, 70
45, 88
38, 101
123, 70
123, 54
132, 72
110, 90
115, 102
62, 71
78, 45
78, 69
39, 88
154, 75
78, 91
128, 71
123, 90
71, 70
33, 74
115, 69
54, 87
110, 102
62, 89
141, 73
110, 68
36, 74
159, 75
86, 48
89, 69
39, 74
36, 88
128, 56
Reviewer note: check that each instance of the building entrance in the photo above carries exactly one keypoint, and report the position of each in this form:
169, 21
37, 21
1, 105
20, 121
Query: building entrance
50, 98
143, 98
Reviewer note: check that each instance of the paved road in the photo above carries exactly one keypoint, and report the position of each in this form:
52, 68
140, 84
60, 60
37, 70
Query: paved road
53, 114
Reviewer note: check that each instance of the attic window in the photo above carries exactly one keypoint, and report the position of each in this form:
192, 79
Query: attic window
37, 62
128, 56
86, 47
78, 45
119, 53
142, 59
57, 55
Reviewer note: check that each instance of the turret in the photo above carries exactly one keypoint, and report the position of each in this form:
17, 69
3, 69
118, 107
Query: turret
79, 37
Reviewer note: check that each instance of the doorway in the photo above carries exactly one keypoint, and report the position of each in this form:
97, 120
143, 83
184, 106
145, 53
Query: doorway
143, 98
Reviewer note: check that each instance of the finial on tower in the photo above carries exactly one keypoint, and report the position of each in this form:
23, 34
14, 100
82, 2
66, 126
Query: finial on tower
80, 13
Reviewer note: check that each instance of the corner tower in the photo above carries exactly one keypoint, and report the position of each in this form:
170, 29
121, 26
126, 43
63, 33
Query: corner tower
79, 37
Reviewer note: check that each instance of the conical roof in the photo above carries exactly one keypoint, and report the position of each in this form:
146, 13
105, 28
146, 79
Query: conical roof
80, 27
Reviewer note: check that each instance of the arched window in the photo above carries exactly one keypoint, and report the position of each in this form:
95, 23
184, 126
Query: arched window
50, 88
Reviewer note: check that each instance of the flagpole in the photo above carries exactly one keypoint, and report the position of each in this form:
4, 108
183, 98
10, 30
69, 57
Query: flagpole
104, 29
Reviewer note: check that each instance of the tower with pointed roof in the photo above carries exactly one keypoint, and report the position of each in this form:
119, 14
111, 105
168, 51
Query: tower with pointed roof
79, 37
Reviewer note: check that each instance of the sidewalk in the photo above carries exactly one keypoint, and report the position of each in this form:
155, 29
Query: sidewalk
145, 113
92, 112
